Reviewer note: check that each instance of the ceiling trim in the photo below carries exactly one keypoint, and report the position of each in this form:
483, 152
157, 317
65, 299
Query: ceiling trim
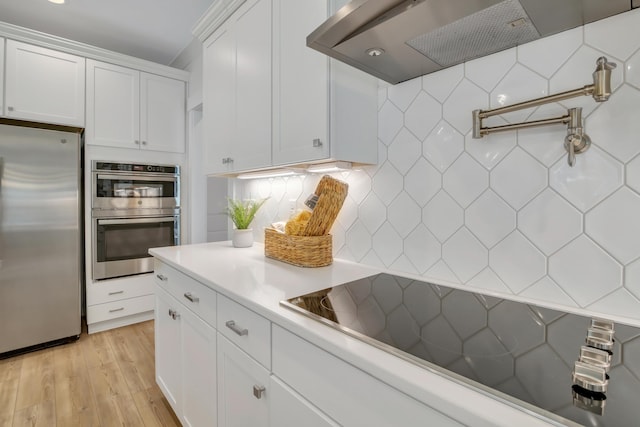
38, 38
214, 17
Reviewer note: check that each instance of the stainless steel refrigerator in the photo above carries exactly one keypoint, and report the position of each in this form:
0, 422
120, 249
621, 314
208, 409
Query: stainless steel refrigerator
40, 236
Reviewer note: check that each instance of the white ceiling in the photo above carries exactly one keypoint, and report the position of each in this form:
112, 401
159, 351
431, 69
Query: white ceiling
155, 30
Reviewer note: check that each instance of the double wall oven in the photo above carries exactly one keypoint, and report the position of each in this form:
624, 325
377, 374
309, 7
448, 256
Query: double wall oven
134, 207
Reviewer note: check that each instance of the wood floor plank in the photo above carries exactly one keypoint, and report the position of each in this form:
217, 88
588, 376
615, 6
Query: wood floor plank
102, 379
136, 363
75, 400
119, 411
154, 408
107, 380
10, 368
8, 394
36, 380
97, 349
40, 415
146, 336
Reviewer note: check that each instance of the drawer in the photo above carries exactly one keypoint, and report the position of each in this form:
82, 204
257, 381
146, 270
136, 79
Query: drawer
246, 329
119, 289
113, 310
194, 295
345, 393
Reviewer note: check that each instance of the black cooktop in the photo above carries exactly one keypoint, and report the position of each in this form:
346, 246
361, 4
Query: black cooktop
558, 364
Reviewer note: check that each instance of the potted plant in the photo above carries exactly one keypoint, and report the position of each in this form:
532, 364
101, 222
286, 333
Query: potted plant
242, 212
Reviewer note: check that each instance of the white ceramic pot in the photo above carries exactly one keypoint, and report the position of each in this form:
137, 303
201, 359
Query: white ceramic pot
242, 238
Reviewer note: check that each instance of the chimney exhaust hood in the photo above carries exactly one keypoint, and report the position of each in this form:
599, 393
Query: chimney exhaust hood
397, 40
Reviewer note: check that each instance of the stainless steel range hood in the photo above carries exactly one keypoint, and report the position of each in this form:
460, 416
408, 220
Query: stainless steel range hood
397, 40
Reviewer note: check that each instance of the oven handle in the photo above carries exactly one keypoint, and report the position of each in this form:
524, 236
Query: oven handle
131, 177
135, 220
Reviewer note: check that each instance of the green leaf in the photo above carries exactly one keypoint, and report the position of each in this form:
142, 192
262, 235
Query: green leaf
242, 212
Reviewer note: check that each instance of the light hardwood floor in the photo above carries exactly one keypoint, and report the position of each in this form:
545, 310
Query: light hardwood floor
103, 379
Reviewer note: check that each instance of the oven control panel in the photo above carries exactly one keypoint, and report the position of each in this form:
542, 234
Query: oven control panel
135, 167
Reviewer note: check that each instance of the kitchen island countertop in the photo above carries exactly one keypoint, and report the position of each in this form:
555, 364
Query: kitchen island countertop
259, 283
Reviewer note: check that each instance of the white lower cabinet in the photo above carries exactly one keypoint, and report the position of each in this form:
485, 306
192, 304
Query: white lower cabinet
185, 361
289, 409
348, 395
219, 363
167, 350
243, 394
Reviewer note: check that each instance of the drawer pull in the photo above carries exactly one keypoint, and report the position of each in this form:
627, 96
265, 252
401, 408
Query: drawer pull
116, 309
116, 293
174, 314
162, 277
232, 325
191, 297
258, 390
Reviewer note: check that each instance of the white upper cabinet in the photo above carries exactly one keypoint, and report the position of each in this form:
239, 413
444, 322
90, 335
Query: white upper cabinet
127, 108
300, 84
323, 109
162, 113
269, 100
113, 102
237, 91
44, 85
1, 76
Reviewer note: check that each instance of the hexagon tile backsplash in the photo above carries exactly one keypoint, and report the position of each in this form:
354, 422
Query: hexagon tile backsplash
504, 213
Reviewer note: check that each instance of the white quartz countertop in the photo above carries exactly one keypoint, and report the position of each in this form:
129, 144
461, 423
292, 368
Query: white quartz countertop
259, 283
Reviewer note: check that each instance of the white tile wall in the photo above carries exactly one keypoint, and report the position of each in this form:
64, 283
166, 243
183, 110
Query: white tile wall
503, 213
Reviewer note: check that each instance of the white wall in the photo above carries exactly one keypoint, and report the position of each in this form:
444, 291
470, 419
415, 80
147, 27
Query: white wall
505, 213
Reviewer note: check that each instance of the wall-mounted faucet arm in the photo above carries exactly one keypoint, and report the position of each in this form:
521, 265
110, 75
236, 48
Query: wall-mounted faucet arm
577, 140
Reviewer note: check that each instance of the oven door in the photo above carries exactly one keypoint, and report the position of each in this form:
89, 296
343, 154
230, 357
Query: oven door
121, 245
131, 191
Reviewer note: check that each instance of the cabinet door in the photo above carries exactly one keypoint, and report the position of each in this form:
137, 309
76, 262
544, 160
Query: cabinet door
252, 147
198, 371
300, 85
289, 409
113, 105
162, 113
219, 99
2, 112
243, 399
167, 349
44, 85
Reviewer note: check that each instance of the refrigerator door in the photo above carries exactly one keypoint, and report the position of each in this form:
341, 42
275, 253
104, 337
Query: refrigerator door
40, 241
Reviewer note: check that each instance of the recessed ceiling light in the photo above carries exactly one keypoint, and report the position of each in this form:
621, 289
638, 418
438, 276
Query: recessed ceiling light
374, 51
57, 1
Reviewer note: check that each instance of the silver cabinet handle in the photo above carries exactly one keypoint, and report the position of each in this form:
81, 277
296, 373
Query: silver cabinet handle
317, 142
191, 298
116, 309
174, 314
162, 277
238, 330
9, 108
137, 142
144, 142
116, 293
258, 390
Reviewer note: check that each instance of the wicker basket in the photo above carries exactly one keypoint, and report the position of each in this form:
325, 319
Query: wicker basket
331, 194
302, 251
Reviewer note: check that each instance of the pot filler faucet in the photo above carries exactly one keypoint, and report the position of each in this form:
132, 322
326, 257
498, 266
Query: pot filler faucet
576, 141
